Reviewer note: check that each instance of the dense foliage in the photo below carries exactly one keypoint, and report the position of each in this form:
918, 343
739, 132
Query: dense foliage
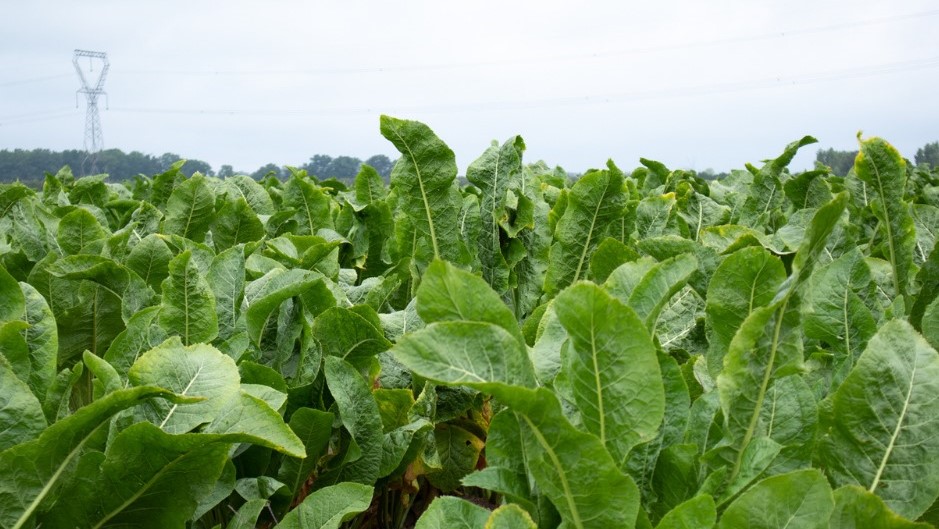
642, 350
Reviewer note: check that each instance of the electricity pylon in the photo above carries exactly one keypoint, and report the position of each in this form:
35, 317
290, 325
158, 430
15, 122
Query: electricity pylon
93, 137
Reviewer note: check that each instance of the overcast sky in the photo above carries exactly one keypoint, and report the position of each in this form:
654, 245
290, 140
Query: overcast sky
691, 83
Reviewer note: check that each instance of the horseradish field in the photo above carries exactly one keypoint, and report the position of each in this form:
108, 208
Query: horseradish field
633, 348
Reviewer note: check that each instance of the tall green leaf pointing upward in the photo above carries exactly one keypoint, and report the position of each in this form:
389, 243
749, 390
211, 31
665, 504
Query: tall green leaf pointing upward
612, 369
423, 176
188, 306
880, 166
594, 202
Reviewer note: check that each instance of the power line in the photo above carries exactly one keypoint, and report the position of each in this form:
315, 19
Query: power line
34, 80
617, 97
573, 57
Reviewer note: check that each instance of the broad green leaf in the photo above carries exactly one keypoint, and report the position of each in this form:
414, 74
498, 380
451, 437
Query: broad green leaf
887, 440
190, 209
697, 513
253, 193
343, 333
836, 312
608, 256
359, 414
658, 285
369, 186
763, 205
226, 279
469, 353
314, 428
12, 299
247, 515
143, 471
459, 453
197, 370
493, 173
510, 517
798, 500
31, 473
583, 484
309, 202
327, 508
21, 417
506, 469
150, 259
265, 295
450, 512
450, 294
745, 280
423, 177
188, 305
595, 201
255, 421
883, 170
125, 285
856, 508
612, 368
80, 230
42, 339
142, 334
236, 223
656, 216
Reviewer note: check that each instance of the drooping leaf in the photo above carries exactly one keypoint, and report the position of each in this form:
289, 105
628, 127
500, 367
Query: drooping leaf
143, 471
31, 473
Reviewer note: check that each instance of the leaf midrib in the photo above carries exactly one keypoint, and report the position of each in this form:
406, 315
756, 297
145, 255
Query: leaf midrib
420, 183
896, 431
568, 493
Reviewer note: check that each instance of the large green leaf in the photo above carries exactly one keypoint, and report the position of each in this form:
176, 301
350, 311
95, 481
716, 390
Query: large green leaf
359, 414
327, 508
190, 209
143, 471
314, 428
883, 432
659, 285
510, 516
745, 280
31, 473
42, 339
236, 223
449, 512
697, 513
188, 305
226, 278
344, 333
266, 294
595, 201
880, 166
612, 368
856, 508
80, 230
450, 294
423, 177
798, 500
21, 417
479, 355
309, 202
194, 371
12, 299
125, 285
493, 173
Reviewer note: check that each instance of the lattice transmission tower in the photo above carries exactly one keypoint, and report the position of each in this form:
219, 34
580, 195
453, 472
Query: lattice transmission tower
94, 140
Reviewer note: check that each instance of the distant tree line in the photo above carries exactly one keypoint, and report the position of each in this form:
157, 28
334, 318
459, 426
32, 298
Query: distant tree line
841, 162
30, 165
